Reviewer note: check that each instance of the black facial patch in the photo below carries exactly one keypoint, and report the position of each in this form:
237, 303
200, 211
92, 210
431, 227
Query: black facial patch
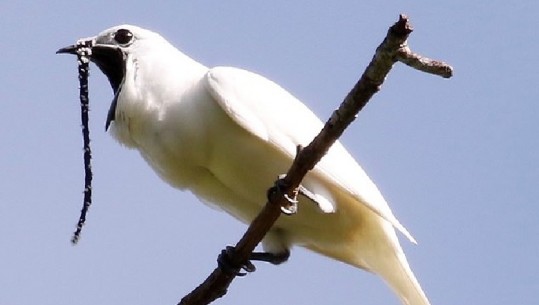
111, 61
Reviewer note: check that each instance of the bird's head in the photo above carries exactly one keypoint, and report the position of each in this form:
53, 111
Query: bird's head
110, 50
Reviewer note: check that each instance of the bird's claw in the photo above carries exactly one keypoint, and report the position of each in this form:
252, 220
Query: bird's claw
277, 190
292, 207
224, 263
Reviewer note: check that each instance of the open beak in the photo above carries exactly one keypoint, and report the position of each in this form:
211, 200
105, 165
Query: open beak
110, 60
72, 49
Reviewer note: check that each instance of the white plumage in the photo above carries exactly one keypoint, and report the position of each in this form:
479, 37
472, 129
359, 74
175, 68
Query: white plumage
225, 134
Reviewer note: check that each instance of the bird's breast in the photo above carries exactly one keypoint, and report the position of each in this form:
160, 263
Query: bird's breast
171, 129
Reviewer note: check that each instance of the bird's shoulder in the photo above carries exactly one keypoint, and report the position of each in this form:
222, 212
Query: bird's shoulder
262, 107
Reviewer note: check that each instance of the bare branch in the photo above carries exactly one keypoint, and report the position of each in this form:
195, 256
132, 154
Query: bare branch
389, 52
416, 61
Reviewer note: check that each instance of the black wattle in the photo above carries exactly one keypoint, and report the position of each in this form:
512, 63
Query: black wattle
112, 110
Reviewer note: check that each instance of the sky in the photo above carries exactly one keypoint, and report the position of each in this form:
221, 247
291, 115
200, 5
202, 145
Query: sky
457, 159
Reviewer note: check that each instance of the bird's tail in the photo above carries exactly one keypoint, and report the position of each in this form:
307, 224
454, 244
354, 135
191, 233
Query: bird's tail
397, 273
385, 257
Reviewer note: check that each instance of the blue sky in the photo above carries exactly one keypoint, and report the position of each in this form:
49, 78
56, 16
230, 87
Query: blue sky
458, 159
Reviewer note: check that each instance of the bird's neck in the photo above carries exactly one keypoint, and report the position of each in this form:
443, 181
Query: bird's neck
151, 84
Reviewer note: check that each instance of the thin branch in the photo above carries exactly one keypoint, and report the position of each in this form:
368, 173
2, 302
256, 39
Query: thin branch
389, 52
416, 61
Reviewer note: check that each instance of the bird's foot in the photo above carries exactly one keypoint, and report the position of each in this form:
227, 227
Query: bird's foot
225, 264
277, 190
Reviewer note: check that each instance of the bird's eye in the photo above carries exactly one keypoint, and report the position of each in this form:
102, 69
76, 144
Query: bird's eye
123, 36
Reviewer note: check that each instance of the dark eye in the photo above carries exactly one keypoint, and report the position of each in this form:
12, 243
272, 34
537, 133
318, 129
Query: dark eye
123, 36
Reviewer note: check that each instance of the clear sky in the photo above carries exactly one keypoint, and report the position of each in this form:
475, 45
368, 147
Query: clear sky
457, 160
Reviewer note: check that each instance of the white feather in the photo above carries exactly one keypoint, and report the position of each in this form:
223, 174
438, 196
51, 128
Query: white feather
274, 115
226, 134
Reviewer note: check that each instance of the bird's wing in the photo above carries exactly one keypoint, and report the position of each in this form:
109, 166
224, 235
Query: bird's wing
275, 116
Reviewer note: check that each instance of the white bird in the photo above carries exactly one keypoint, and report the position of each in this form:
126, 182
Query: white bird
226, 134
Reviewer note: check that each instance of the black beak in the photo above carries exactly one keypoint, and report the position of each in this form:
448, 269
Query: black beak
68, 50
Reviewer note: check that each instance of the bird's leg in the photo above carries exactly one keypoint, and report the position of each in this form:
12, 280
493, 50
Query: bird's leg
307, 194
224, 263
272, 258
